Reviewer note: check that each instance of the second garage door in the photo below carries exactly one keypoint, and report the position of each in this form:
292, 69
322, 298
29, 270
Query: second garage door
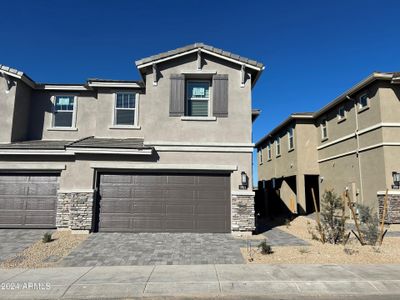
164, 203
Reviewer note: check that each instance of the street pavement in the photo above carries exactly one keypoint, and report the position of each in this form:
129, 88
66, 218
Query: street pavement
226, 281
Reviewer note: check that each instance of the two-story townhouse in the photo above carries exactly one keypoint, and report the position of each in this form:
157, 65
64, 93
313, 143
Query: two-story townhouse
171, 152
353, 144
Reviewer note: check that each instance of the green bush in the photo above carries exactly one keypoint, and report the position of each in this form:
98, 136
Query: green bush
47, 237
332, 217
369, 224
265, 248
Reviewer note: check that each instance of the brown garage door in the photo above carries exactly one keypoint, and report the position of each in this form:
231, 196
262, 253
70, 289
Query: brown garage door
28, 200
164, 203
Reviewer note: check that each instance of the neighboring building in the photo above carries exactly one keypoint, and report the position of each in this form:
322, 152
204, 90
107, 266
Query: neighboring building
352, 143
169, 153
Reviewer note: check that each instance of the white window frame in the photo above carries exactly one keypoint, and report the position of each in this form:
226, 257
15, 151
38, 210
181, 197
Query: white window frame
278, 146
135, 109
269, 152
324, 124
339, 116
290, 137
74, 112
360, 107
261, 155
201, 99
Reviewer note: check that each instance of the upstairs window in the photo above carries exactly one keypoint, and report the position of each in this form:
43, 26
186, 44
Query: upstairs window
198, 98
125, 109
290, 138
324, 130
278, 146
363, 101
261, 155
269, 156
341, 113
64, 111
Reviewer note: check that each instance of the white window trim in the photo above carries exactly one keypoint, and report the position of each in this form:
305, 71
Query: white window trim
339, 117
269, 151
362, 108
74, 114
261, 155
201, 99
136, 109
290, 148
278, 142
323, 137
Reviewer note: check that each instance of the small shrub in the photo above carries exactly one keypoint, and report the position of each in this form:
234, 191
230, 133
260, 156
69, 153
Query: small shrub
265, 248
304, 250
287, 223
47, 237
332, 217
349, 251
369, 224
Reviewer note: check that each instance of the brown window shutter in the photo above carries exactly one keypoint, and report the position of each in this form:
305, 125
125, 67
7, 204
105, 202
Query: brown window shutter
220, 95
177, 95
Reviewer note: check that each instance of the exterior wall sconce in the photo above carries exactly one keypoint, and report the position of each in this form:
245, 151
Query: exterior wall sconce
396, 180
244, 180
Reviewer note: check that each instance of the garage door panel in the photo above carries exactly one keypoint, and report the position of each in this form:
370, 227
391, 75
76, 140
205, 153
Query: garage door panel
116, 179
180, 209
44, 189
28, 200
41, 204
148, 192
117, 206
9, 203
145, 180
149, 208
180, 194
116, 192
42, 219
166, 203
146, 224
13, 188
181, 179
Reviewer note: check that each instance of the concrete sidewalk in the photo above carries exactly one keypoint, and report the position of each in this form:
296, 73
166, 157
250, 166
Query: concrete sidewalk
204, 281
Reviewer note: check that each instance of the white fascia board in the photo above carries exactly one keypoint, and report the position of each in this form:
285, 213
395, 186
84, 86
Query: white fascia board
196, 144
115, 84
156, 166
26, 80
32, 166
34, 152
203, 149
111, 151
51, 87
202, 50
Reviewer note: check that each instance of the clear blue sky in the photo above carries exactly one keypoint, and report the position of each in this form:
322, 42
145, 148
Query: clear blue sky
313, 50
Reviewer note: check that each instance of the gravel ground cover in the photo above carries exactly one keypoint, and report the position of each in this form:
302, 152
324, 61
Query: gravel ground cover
41, 255
318, 253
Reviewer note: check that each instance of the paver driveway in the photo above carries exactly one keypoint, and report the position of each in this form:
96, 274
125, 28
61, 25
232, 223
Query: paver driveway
13, 241
124, 249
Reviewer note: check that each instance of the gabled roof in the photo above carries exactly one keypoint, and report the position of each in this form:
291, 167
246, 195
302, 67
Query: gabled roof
204, 48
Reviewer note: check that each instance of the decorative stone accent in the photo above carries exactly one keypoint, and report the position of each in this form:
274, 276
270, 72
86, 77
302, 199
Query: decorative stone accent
243, 218
75, 210
393, 206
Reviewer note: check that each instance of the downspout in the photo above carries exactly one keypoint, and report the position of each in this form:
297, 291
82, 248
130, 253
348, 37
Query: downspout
358, 149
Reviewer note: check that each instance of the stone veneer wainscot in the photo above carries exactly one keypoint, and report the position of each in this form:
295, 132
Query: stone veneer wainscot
75, 210
243, 219
393, 207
